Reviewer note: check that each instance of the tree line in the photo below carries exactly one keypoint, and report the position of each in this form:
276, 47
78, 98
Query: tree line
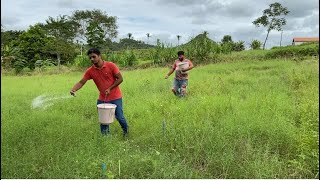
64, 37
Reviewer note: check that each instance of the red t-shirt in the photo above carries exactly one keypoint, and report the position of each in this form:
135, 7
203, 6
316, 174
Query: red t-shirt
104, 78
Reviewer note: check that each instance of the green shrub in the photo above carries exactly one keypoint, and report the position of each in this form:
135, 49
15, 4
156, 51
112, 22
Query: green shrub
238, 46
82, 61
226, 48
6, 62
293, 51
130, 58
115, 58
19, 64
40, 65
255, 44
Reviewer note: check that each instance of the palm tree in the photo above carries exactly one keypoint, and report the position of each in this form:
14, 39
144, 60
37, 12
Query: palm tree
148, 35
129, 35
178, 36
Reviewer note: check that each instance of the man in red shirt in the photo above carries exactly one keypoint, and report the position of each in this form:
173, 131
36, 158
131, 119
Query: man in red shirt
107, 77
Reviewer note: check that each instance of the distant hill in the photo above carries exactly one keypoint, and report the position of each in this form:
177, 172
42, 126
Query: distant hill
198, 39
128, 43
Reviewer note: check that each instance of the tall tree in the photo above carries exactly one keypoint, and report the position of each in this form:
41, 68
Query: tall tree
227, 44
226, 39
129, 35
9, 36
10, 43
95, 25
32, 43
61, 32
95, 34
272, 18
178, 37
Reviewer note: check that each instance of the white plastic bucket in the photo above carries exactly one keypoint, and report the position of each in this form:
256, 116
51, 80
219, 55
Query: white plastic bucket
106, 113
183, 65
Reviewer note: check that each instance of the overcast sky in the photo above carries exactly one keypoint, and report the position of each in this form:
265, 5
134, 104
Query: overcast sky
165, 19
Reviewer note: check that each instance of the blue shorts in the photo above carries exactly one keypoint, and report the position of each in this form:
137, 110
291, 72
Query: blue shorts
180, 87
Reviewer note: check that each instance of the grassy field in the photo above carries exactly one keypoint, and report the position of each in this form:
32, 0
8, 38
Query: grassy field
248, 119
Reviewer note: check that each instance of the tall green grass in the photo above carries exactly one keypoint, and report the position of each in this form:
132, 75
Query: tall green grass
245, 119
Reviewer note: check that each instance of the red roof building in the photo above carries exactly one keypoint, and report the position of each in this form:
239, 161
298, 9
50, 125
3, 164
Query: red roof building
304, 40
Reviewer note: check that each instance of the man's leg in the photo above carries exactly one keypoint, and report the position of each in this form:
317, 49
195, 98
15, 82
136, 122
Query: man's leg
119, 115
184, 84
175, 87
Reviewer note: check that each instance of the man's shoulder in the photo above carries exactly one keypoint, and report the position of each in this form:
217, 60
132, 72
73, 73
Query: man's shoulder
109, 63
89, 68
111, 66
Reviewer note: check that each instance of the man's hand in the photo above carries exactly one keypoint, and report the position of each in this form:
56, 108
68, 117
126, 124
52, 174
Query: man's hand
108, 91
73, 92
166, 77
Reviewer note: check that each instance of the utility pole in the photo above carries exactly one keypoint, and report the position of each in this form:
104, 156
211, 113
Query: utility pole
81, 48
281, 37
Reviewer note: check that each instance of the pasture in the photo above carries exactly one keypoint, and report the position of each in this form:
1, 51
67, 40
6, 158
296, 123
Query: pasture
242, 119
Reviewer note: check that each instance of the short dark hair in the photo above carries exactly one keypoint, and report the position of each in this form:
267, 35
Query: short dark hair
180, 53
94, 50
